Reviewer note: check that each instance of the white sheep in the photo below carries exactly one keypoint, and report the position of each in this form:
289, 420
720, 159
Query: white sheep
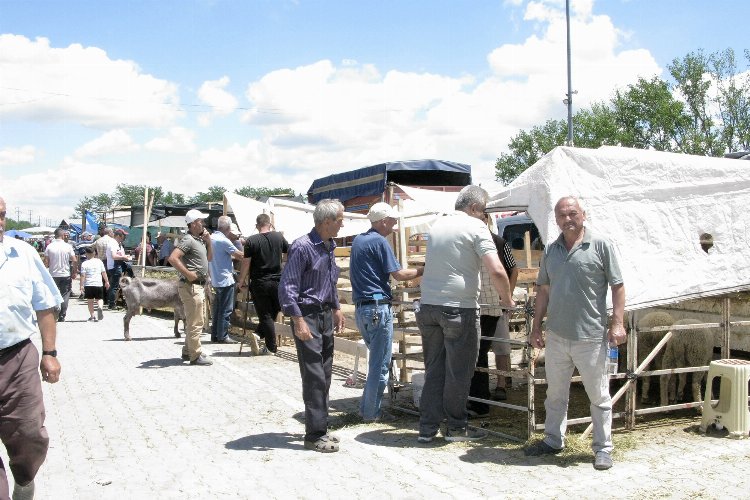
648, 340
692, 347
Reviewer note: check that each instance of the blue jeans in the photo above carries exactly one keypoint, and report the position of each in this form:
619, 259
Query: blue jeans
221, 312
450, 343
375, 323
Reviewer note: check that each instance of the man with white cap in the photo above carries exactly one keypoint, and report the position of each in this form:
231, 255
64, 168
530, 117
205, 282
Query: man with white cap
191, 257
372, 263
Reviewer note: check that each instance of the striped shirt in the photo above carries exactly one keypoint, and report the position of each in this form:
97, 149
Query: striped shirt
487, 292
310, 275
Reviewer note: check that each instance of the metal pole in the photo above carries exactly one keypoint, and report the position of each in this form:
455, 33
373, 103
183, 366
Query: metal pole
570, 82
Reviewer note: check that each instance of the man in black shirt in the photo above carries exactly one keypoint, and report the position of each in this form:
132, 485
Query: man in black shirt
263, 262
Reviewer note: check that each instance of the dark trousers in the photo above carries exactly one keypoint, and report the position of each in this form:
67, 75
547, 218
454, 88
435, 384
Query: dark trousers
21, 415
480, 382
266, 300
113, 275
64, 285
315, 358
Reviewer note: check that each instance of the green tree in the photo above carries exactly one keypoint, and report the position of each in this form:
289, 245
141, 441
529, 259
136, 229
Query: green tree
263, 192
129, 195
98, 204
646, 116
705, 111
14, 224
214, 194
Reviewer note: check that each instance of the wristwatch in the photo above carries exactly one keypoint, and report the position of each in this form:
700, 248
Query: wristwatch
52, 353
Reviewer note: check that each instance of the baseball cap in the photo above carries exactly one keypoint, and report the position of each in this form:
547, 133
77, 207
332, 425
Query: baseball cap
380, 211
193, 215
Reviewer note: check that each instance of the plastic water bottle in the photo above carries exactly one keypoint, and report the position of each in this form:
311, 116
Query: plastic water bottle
612, 358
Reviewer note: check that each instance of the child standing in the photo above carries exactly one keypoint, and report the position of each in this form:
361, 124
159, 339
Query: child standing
94, 281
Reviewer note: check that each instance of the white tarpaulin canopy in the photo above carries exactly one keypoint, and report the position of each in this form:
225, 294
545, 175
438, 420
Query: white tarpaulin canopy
655, 206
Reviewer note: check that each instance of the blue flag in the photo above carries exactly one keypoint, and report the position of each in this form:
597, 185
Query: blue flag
91, 225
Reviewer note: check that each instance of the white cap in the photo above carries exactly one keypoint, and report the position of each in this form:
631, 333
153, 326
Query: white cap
380, 211
193, 215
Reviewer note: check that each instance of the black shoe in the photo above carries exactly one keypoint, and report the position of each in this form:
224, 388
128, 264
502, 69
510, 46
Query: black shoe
202, 360
61, 319
186, 357
540, 448
225, 340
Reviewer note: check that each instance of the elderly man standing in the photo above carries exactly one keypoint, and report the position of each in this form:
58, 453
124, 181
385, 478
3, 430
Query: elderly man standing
263, 252
191, 257
307, 294
61, 260
372, 263
575, 272
222, 279
29, 297
448, 319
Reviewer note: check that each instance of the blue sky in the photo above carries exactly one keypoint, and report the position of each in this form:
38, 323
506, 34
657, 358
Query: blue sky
188, 94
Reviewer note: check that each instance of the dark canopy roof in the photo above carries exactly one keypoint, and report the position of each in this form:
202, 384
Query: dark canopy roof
372, 180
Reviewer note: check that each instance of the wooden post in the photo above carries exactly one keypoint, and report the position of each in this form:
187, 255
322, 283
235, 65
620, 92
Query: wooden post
527, 246
631, 364
726, 338
404, 260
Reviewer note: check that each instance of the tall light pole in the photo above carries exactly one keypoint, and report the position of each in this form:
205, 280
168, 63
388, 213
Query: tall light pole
569, 99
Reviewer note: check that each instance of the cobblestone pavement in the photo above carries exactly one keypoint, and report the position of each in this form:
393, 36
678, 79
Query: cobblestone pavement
130, 420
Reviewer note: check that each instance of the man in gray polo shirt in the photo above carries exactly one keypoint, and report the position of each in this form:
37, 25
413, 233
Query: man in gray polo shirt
190, 258
574, 275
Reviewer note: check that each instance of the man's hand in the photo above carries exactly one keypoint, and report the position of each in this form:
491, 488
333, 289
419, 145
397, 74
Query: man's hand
50, 368
510, 304
536, 339
617, 334
301, 330
338, 321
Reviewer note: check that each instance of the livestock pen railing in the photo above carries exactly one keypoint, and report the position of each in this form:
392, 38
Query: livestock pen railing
633, 369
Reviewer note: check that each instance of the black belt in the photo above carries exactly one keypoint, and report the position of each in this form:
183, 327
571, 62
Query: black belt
10, 349
306, 309
368, 302
196, 282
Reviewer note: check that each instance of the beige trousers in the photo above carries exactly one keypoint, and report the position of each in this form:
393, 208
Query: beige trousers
192, 297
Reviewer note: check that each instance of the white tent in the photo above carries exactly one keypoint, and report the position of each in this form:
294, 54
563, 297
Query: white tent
40, 230
655, 206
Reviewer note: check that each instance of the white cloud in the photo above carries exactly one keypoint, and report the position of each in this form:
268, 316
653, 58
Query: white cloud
322, 118
17, 156
81, 85
179, 140
112, 142
213, 94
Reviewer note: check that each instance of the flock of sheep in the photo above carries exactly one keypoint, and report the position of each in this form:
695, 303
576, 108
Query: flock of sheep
689, 347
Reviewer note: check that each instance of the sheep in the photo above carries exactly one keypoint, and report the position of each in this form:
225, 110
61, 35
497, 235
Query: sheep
692, 347
648, 340
150, 293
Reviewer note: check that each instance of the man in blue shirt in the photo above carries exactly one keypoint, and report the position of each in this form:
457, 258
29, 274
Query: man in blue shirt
372, 263
307, 294
28, 298
222, 280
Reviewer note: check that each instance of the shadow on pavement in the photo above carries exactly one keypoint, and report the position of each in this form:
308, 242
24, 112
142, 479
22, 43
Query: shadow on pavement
396, 437
486, 451
136, 339
268, 441
161, 363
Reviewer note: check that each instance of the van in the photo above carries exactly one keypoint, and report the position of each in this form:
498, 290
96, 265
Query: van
513, 228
